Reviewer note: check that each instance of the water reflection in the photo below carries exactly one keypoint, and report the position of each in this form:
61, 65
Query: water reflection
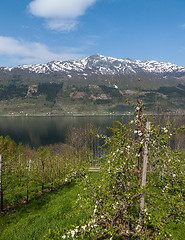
39, 131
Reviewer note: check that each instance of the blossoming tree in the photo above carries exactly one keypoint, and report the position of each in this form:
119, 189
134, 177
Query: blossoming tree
140, 188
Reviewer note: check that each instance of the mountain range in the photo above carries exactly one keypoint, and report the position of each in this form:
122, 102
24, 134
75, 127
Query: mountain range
101, 65
95, 84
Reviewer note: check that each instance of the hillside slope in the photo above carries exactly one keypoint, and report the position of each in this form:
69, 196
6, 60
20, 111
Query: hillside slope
95, 84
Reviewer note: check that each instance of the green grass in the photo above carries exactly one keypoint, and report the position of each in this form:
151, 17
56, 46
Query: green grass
54, 210
177, 230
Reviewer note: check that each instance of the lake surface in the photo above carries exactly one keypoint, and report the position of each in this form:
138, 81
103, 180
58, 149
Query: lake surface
40, 131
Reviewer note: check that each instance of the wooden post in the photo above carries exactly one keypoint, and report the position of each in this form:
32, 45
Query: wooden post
143, 182
43, 176
51, 175
1, 187
28, 180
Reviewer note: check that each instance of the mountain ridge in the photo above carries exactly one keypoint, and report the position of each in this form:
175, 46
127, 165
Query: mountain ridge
101, 65
95, 84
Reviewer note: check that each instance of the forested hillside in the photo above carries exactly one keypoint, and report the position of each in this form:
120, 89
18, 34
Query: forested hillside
91, 86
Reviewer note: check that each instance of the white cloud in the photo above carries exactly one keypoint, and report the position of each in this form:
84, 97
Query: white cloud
60, 8
21, 52
60, 14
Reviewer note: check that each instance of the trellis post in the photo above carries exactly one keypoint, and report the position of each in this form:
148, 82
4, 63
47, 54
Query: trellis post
28, 180
144, 172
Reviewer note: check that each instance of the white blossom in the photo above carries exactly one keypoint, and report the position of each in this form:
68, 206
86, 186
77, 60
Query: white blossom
140, 133
73, 233
138, 227
165, 130
84, 227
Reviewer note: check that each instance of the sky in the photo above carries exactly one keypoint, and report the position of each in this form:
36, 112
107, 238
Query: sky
39, 31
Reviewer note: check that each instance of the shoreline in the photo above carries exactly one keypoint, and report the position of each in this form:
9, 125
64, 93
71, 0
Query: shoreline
90, 115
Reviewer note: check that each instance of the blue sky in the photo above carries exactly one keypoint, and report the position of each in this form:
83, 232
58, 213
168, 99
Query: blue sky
39, 31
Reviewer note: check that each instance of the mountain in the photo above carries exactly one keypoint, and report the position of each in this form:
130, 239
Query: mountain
95, 84
101, 65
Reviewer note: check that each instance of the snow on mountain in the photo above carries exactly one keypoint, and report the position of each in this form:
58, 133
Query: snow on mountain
98, 64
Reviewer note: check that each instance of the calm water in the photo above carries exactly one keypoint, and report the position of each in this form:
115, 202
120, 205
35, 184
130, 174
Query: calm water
40, 131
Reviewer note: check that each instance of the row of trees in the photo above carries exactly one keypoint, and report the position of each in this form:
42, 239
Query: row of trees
25, 172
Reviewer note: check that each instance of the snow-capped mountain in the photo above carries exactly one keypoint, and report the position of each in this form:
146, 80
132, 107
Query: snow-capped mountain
98, 64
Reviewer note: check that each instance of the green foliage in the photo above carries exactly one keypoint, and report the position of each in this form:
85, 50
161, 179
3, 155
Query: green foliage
111, 91
50, 89
179, 90
13, 91
114, 200
26, 172
8, 165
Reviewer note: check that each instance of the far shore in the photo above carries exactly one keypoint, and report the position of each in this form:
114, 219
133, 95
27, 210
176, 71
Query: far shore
89, 114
